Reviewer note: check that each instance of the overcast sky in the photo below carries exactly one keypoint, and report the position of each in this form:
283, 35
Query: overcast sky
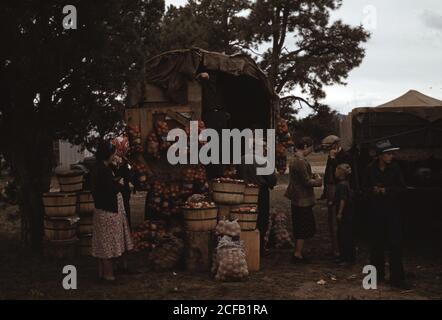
404, 51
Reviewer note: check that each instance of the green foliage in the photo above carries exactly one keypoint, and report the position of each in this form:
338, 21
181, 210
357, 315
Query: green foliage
307, 50
65, 83
57, 83
294, 41
215, 25
321, 123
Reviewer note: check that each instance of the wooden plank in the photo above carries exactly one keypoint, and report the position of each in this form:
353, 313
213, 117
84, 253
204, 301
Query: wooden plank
154, 93
223, 212
194, 91
198, 250
145, 123
251, 247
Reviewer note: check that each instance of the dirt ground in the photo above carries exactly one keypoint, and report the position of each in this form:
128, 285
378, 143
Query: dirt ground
25, 277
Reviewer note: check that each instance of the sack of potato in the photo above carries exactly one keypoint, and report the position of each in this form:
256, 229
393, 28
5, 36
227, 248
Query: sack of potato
230, 261
167, 254
228, 228
277, 234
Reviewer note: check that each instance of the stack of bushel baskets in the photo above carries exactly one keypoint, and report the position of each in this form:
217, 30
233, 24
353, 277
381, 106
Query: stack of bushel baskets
200, 222
85, 226
61, 219
238, 200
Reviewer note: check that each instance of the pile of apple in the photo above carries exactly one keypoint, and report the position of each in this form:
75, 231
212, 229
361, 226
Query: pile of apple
164, 198
134, 139
167, 254
148, 235
245, 209
283, 142
199, 205
153, 145
194, 180
227, 180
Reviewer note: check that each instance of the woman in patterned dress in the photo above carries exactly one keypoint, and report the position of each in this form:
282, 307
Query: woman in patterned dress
111, 236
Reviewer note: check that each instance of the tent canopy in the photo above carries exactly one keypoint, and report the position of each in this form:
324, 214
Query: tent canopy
413, 102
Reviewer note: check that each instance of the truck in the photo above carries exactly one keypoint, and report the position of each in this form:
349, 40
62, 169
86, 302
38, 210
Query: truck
412, 122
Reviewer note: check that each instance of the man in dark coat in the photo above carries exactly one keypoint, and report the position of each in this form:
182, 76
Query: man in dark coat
384, 185
247, 172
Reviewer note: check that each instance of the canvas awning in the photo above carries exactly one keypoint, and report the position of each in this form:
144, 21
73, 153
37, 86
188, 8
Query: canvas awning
413, 102
171, 70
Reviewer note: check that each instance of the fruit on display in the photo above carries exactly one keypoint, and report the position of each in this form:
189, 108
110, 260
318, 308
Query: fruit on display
245, 209
164, 198
230, 261
228, 228
194, 180
153, 145
148, 235
283, 142
277, 234
199, 205
227, 180
167, 254
162, 129
134, 136
282, 127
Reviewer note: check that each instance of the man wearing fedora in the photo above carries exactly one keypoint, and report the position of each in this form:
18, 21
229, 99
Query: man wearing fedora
384, 185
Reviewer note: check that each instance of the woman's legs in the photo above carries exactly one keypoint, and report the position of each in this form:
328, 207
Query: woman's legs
299, 246
100, 269
108, 269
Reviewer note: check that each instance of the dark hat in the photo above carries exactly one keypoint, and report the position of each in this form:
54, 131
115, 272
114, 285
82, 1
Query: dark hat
385, 146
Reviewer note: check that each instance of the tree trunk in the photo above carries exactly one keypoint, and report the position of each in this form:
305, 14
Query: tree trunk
32, 167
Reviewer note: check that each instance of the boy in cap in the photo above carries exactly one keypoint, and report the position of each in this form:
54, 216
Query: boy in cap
343, 203
337, 155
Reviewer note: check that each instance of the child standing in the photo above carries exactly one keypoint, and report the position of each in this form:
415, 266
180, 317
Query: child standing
344, 209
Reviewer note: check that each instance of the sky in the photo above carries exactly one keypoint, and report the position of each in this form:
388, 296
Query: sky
403, 53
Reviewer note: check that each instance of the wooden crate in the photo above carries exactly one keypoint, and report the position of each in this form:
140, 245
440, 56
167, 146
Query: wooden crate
223, 212
251, 246
198, 250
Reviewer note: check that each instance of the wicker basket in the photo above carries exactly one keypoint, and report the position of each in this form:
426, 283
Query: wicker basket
85, 202
200, 219
61, 249
85, 225
60, 204
59, 228
70, 180
228, 192
85, 245
251, 195
246, 219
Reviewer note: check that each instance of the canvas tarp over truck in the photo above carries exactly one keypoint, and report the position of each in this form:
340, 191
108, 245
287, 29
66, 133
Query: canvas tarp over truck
244, 88
413, 121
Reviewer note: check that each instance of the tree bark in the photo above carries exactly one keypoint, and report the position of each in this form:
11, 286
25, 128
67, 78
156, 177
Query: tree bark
31, 168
